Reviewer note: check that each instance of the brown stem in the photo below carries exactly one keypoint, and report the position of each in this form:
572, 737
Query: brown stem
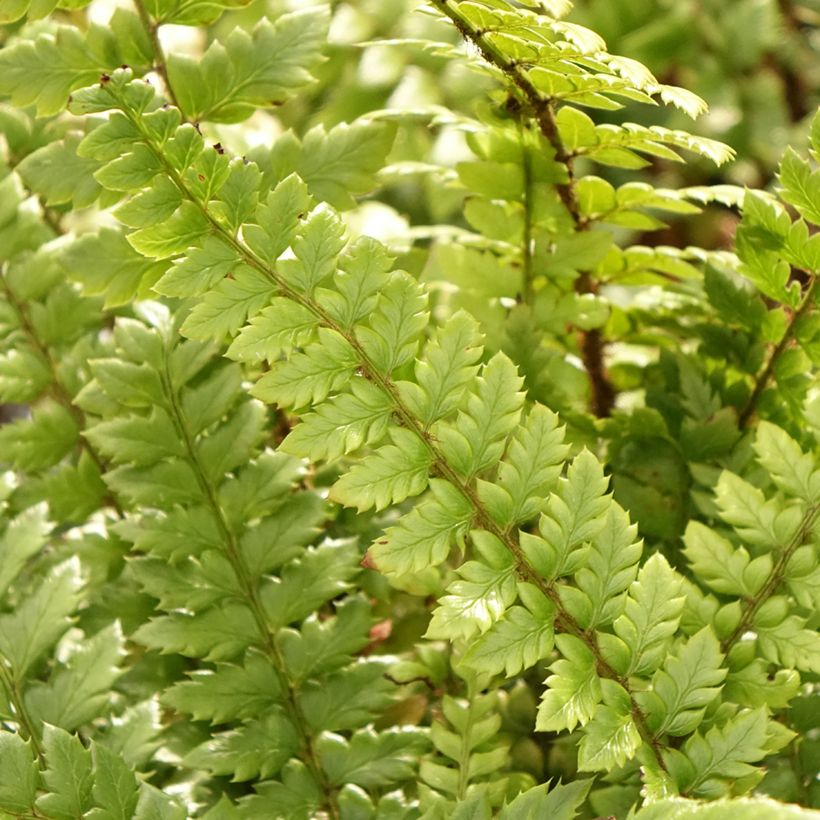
602, 392
440, 466
51, 217
765, 375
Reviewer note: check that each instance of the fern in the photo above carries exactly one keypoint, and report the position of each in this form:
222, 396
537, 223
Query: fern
408, 528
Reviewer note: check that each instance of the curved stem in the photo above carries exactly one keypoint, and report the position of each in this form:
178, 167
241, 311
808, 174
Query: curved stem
602, 392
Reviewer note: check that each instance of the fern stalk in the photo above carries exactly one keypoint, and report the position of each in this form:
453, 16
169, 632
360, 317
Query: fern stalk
18, 703
161, 63
775, 579
58, 389
250, 593
440, 466
764, 378
602, 398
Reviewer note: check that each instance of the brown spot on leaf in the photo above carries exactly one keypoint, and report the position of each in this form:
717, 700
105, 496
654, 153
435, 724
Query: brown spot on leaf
381, 631
367, 562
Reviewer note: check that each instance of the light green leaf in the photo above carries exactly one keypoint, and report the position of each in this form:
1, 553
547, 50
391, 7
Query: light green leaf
533, 462
308, 377
610, 567
651, 614
212, 398
608, 741
423, 537
788, 643
45, 70
319, 240
41, 618
321, 646
201, 269
19, 777
575, 513
219, 633
40, 441
360, 278
371, 760
745, 507
155, 204
59, 175
106, 264
317, 576
474, 602
79, 691
575, 128
68, 777
725, 753
296, 794
139, 440
25, 535
129, 384
348, 699
187, 226
258, 749
562, 802
156, 805
23, 376
224, 309
724, 568
516, 642
392, 335
168, 482
233, 443
390, 475
283, 324
343, 161
190, 12
744, 808
343, 424
801, 186
574, 690
263, 68
687, 683
793, 471
476, 439
444, 370
278, 219
115, 787
230, 692
131, 171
